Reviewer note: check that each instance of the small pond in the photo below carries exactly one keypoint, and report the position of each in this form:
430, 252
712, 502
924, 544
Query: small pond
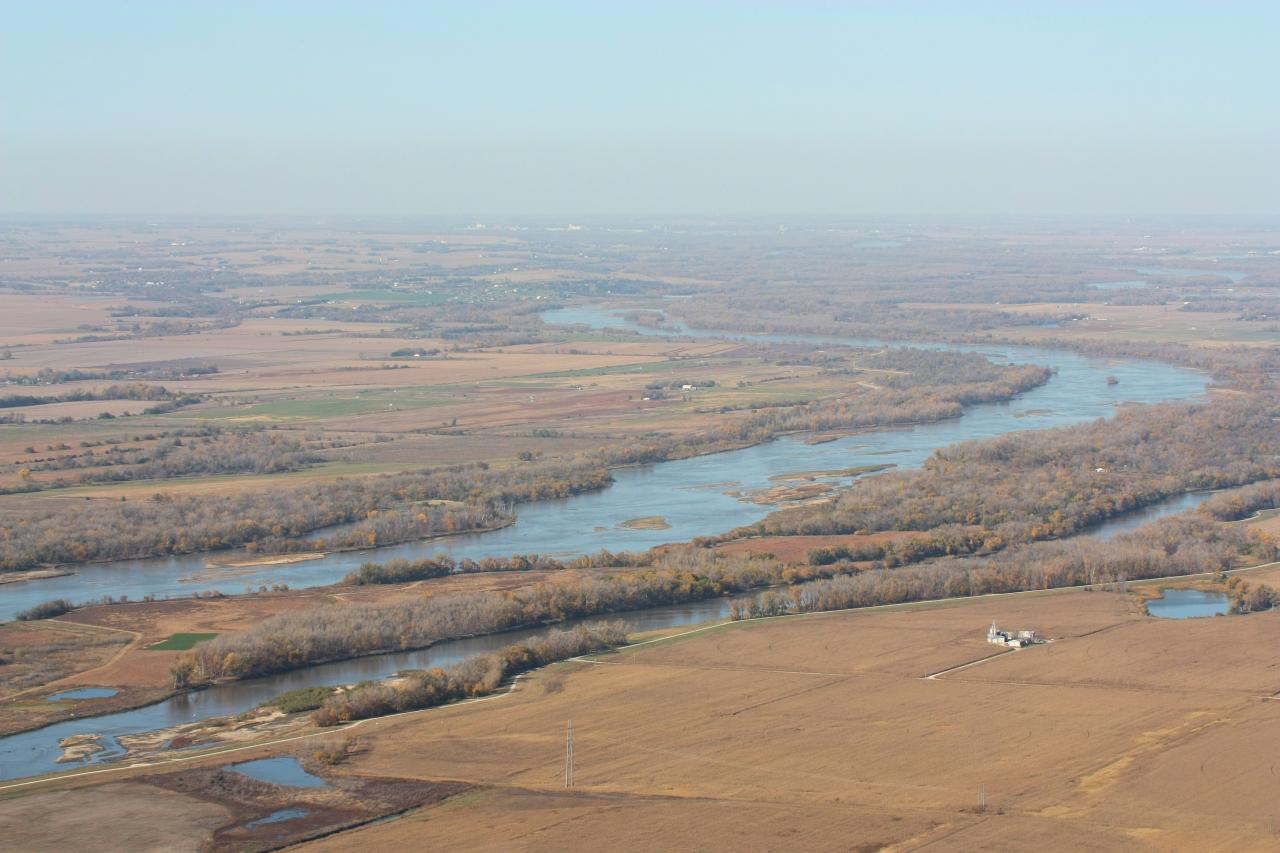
284, 770
1188, 604
277, 817
84, 693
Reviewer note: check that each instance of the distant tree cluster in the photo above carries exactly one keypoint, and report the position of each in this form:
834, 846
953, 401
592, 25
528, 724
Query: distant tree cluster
406, 571
130, 391
49, 376
208, 450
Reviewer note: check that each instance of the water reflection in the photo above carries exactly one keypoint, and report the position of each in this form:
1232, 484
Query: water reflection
34, 752
1188, 604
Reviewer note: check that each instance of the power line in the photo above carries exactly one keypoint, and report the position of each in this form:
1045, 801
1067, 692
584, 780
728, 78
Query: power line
568, 756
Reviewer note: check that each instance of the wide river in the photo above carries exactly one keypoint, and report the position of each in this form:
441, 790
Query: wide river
688, 493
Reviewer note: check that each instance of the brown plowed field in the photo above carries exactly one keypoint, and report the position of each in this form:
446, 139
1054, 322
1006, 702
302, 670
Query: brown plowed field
820, 733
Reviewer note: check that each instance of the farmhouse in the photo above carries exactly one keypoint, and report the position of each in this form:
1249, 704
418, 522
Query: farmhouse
1013, 639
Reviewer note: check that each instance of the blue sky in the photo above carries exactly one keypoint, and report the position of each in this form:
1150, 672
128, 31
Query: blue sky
613, 108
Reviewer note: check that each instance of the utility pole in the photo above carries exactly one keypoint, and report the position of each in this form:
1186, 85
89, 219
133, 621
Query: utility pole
982, 798
568, 756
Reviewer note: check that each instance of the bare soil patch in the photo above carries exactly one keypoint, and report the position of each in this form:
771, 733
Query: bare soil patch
121, 816
36, 653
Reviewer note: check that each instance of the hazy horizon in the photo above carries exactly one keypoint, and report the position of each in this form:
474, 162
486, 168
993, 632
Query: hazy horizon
593, 110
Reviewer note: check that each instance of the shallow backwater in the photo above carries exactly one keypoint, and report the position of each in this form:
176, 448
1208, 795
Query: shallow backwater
1138, 517
284, 770
84, 693
1188, 604
277, 817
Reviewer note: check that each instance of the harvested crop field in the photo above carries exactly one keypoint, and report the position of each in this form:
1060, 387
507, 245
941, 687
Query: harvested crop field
206, 809
136, 817
872, 729
1092, 741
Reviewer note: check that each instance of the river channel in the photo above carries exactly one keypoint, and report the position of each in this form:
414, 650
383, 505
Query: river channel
35, 752
688, 493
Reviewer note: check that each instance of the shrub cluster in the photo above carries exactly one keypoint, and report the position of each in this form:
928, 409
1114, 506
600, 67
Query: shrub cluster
47, 610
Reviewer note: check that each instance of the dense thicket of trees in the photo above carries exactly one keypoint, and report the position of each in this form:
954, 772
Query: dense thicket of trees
406, 571
49, 376
1180, 545
398, 571
162, 401
912, 402
1242, 503
329, 632
130, 391
184, 453
1052, 483
46, 610
945, 540
1249, 598
380, 510
474, 676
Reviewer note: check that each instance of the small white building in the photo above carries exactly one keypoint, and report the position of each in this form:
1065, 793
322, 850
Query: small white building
1012, 639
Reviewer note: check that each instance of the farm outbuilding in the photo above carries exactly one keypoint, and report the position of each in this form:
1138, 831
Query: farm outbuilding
1013, 639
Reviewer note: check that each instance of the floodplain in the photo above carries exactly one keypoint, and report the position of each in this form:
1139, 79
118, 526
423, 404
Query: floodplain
883, 729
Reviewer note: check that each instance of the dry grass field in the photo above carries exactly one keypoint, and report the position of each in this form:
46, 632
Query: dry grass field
39, 653
1099, 740
136, 817
858, 730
